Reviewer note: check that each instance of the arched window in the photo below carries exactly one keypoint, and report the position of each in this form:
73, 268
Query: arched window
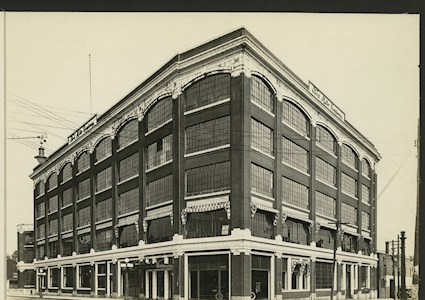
128, 133
294, 117
349, 156
83, 162
66, 172
160, 113
261, 94
207, 90
103, 149
52, 181
39, 189
365, 167
325, 139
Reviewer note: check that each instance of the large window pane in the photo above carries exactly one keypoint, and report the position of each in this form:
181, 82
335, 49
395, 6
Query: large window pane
53, 204
261, 137
295, 193
295, 231
349, 156
128, 133
325, 205
160, 230
67, 172
365, 220
348, 214
261, 94
349, 185
262, 224
104, 210
294, 117
261, 180
67, 197
128, 236
84, 243
129, 167
83, 189
103, 149
323, 275
40, 210
207, 224
67, 222
159, 191
103, 179
160, 113
128, 201
83, 216
160, 152
294, 155
52, 181
53, 227
325, 139
208, 179
325, 238
325, 172
104, 240
83, 162
365, 194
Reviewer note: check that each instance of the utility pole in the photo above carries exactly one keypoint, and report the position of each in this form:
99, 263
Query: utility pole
403, 266
393, 259
338, 232
398, 266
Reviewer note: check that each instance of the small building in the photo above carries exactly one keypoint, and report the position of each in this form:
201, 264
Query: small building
222, 176
11, 274
25, 265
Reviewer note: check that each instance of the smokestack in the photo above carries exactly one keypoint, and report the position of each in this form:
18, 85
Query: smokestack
41, 158
387, 247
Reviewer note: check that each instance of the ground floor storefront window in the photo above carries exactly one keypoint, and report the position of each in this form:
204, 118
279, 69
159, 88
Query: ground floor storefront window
209, 277
159, 283
260, 276
323, 275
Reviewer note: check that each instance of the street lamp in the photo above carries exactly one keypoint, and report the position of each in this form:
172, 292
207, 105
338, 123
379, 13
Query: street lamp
338, 234
41, 274
126, 266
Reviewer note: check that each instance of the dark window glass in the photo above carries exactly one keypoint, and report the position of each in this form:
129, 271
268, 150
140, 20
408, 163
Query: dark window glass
104, 210
295, 193
54, 277
53, 227
261, 94
29, 255
83, 162
84, 243
160, 230
128, 201
83, 189
40, 252
159, 191
67, 246
294, 155
83, 216
208, 179
365, 220
365, 168
39, 189
85, 276
323, 275
325, 172
366, 247
52, 181
365, 194
261, 137
262, 224
363, 277
207, 90
53, 204
349, 243
67, 197
295, 231
103, 179
129, 167
67, 222
349, 156
348, 214
261, 180
103, 149
207, 224
128, 133
40, 210
104, 240
160, 152
325, 139
325, 238
160, 113
41, 233
295, 118
68, 277
53, 249
128, 236
67, 172
208, 135
349, 185
325, 205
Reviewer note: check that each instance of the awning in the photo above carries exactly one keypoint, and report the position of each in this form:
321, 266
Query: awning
296, 216
156, 216
204, 208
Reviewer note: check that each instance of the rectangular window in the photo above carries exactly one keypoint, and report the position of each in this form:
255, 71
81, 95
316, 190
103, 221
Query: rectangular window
261, 180
208, 179
325, 238
67, 222
294, 155
54, 277
349, 185
295, 231
208, 135
363, 276
104, 210
41, 233
348, 214
365, 220
160, 152
129, 167
53, 227
159, 230
261, 94
323, 275
349, 243
159, 191
325, 172
84, 243
295, 193
84, 216
104, 240
67, 246
84, 273
68, 277
40, 252
325, 205
53, 204
84, 189
67, 197
207, 224
40, 210
53, 249
128, 202
262, 225
261, 137
128, 236
103, 179
365, 194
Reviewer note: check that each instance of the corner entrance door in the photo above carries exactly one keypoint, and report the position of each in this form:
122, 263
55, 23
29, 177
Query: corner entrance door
348, 282
260, 284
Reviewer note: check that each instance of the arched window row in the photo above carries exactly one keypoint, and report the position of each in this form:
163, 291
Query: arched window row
349, 156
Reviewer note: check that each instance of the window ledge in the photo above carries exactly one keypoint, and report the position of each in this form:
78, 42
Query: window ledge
83, 199
66, 180
39, 218
296, 207
102, 159
295, 168
207, 150
39, 196
325, 217
128, 214
66, 206
67, 231
159, 126
326, 183
297, 131
326, 150
349, 195
127, 145
83, 226
103, 221
262, 196
207, 195
128, 179
348, 164
263, 109
52, 212
159, 204
262, 152
206, 106
82, 171
103, 190
160, 165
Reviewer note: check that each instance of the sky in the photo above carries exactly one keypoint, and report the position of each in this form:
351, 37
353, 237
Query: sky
367, 64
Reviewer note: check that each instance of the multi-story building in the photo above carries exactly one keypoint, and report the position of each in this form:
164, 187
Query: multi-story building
26, 275
223, 175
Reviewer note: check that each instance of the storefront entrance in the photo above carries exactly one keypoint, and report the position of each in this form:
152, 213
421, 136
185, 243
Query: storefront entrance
159, 283
348, 282
260, 277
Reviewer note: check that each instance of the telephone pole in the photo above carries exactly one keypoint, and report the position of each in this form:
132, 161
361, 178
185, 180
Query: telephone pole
393, 259
338, 232
403, 266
